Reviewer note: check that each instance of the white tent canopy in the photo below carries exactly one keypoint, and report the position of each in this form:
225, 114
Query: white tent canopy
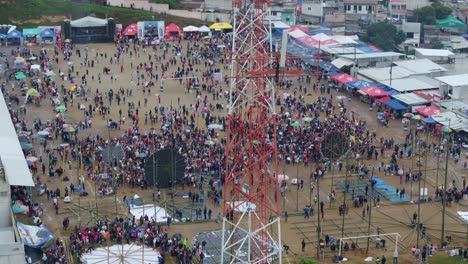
89, 22
455, 80
190, 29
421, 66
204, 29
151, 211
11, 154
122, 254
341, 62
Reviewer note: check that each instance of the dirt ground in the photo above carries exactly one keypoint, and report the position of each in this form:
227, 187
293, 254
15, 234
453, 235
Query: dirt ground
387, 218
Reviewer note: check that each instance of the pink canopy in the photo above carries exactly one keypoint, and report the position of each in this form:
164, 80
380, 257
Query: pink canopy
308, 40
172, 28
303, 29
374, 91
131, 30
344, 78
429, 111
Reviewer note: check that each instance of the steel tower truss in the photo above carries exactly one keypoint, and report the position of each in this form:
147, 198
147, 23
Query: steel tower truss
251, 215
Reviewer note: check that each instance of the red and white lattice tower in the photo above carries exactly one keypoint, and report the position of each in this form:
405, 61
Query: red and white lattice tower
252, 210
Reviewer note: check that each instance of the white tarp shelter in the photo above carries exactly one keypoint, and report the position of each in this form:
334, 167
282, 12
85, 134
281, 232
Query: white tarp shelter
341, 62
408, 84
89, 21
434, 54
410, 99
151, 211
455, 80
11, 154
421, 66
240, 206
385, 73
452, 120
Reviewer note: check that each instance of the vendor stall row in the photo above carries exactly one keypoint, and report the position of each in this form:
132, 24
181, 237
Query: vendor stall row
31, 36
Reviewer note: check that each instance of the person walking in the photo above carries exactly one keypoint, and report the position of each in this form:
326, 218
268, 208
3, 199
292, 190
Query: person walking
303, 244
395, 257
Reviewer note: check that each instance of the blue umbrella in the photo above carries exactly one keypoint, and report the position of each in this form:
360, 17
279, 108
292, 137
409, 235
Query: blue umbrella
142, 155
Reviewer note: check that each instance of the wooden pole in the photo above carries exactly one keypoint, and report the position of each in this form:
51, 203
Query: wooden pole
369, 199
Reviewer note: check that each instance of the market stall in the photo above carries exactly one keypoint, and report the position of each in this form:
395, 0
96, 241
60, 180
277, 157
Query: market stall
14, 38
173, 32
31, 35
47, 36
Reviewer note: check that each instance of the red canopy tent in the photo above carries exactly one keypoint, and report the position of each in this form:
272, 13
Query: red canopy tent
344, 78
130, 30
374, 91
173, 28
429, 111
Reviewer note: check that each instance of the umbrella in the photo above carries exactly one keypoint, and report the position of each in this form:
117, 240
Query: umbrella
445, 129
32, 159
43, 133
60, 108
307, 119
60, 115
209, 142
142, 155
26, 146
408, 115
32, 58
51, 73
215, 126
416, 117
256, 142
23, 134
295, 124
67, 41
68, 129
283, 177
20, 76
341, 97
32, 92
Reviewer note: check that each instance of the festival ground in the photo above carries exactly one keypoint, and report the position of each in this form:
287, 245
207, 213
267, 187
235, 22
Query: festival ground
387, 217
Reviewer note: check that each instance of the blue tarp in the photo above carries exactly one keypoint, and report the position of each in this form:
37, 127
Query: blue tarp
2, 36
358, 84
390, 91
47, 33
34, 236
428, 120
14, 34
395, 105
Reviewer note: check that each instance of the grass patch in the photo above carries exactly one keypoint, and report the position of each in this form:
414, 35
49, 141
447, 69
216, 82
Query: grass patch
32, 13
444, 259
173, 4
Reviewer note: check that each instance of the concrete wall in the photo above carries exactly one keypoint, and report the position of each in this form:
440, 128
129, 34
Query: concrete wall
314, 8
218, 4
212, 17
415, 4
141, 4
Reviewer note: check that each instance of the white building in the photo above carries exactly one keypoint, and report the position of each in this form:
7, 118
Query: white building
435, 55
454, 86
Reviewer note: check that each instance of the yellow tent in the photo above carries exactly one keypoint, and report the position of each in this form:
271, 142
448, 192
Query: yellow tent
222, 25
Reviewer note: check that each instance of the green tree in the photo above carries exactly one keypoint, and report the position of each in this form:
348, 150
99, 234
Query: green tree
384, 35
429, 14
425, 15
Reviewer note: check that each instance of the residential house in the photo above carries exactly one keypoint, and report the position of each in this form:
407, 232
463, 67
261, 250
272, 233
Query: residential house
401, 9
359, 14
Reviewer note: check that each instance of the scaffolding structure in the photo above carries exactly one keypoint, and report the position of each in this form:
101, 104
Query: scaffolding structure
252, 213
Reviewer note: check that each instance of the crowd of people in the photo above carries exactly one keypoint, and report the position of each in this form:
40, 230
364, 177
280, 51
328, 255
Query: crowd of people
148, 125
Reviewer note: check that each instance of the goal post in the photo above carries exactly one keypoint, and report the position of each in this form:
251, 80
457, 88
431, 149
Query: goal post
397, 235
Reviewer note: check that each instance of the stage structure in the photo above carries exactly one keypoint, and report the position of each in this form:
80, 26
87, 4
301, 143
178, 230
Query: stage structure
164, 169
252, 210
90, 30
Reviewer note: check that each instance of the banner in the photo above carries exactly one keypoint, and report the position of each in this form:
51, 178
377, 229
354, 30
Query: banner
34, 236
